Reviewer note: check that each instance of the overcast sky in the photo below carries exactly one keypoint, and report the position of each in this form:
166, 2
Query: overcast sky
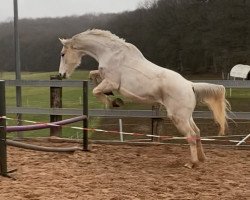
59, 8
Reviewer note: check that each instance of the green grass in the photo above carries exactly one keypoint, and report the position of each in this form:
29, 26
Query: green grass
32, 97
39, 98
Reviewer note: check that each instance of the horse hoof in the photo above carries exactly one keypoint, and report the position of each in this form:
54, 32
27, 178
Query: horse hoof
191, 165
109, 93
202, 159
117, 102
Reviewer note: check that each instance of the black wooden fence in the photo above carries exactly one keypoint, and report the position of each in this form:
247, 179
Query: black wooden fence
54, 85
155, 114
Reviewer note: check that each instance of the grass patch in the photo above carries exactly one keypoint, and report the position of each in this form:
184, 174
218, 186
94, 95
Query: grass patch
39, 98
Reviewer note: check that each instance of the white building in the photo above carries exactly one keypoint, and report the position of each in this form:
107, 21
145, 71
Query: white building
240, 71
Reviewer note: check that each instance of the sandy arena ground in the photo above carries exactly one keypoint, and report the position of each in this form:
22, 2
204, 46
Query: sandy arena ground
118, 172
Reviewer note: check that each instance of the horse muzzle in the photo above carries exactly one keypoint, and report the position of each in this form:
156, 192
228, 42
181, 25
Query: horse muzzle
62, 76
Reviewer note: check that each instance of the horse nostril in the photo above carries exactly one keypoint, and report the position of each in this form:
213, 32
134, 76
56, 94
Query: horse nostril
62, 75
59, 76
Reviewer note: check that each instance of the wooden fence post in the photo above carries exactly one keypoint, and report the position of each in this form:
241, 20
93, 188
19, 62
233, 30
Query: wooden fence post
3, 151
85, 112
157, 124
55, 102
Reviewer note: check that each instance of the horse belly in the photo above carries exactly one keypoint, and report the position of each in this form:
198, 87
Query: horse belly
139, 88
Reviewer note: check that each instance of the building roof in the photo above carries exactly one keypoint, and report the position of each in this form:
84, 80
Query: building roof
240, 71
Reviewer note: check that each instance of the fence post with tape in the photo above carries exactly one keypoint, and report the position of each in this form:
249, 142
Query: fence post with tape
55, 102
3, 148
157, 123
85, 112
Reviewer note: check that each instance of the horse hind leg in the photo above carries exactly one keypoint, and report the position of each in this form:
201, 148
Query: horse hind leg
200, 151
183, 125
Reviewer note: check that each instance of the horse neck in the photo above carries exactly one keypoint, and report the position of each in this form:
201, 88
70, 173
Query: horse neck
98, 50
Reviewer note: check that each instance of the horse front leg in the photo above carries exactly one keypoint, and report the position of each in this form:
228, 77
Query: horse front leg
102, 89
95, 76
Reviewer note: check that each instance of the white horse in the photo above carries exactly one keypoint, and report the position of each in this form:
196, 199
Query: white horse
124, 69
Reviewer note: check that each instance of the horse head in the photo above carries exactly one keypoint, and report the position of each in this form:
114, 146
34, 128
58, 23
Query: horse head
70, 58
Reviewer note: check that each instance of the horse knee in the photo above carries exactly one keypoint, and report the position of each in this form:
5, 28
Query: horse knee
185, 128
96, 92
180, 124
92, 74
174, 119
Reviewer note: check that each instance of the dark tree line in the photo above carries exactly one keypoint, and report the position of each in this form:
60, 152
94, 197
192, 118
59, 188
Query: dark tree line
189, 36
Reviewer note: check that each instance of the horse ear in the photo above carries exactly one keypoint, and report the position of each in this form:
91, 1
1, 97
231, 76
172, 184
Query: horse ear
65, 42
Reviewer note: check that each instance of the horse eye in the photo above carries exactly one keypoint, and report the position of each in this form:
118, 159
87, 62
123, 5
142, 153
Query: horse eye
62, 54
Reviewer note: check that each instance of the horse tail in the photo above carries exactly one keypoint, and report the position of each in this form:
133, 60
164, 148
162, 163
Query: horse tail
214, 97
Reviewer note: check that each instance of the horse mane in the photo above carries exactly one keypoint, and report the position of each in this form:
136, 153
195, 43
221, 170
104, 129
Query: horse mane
103, 33
108, 39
